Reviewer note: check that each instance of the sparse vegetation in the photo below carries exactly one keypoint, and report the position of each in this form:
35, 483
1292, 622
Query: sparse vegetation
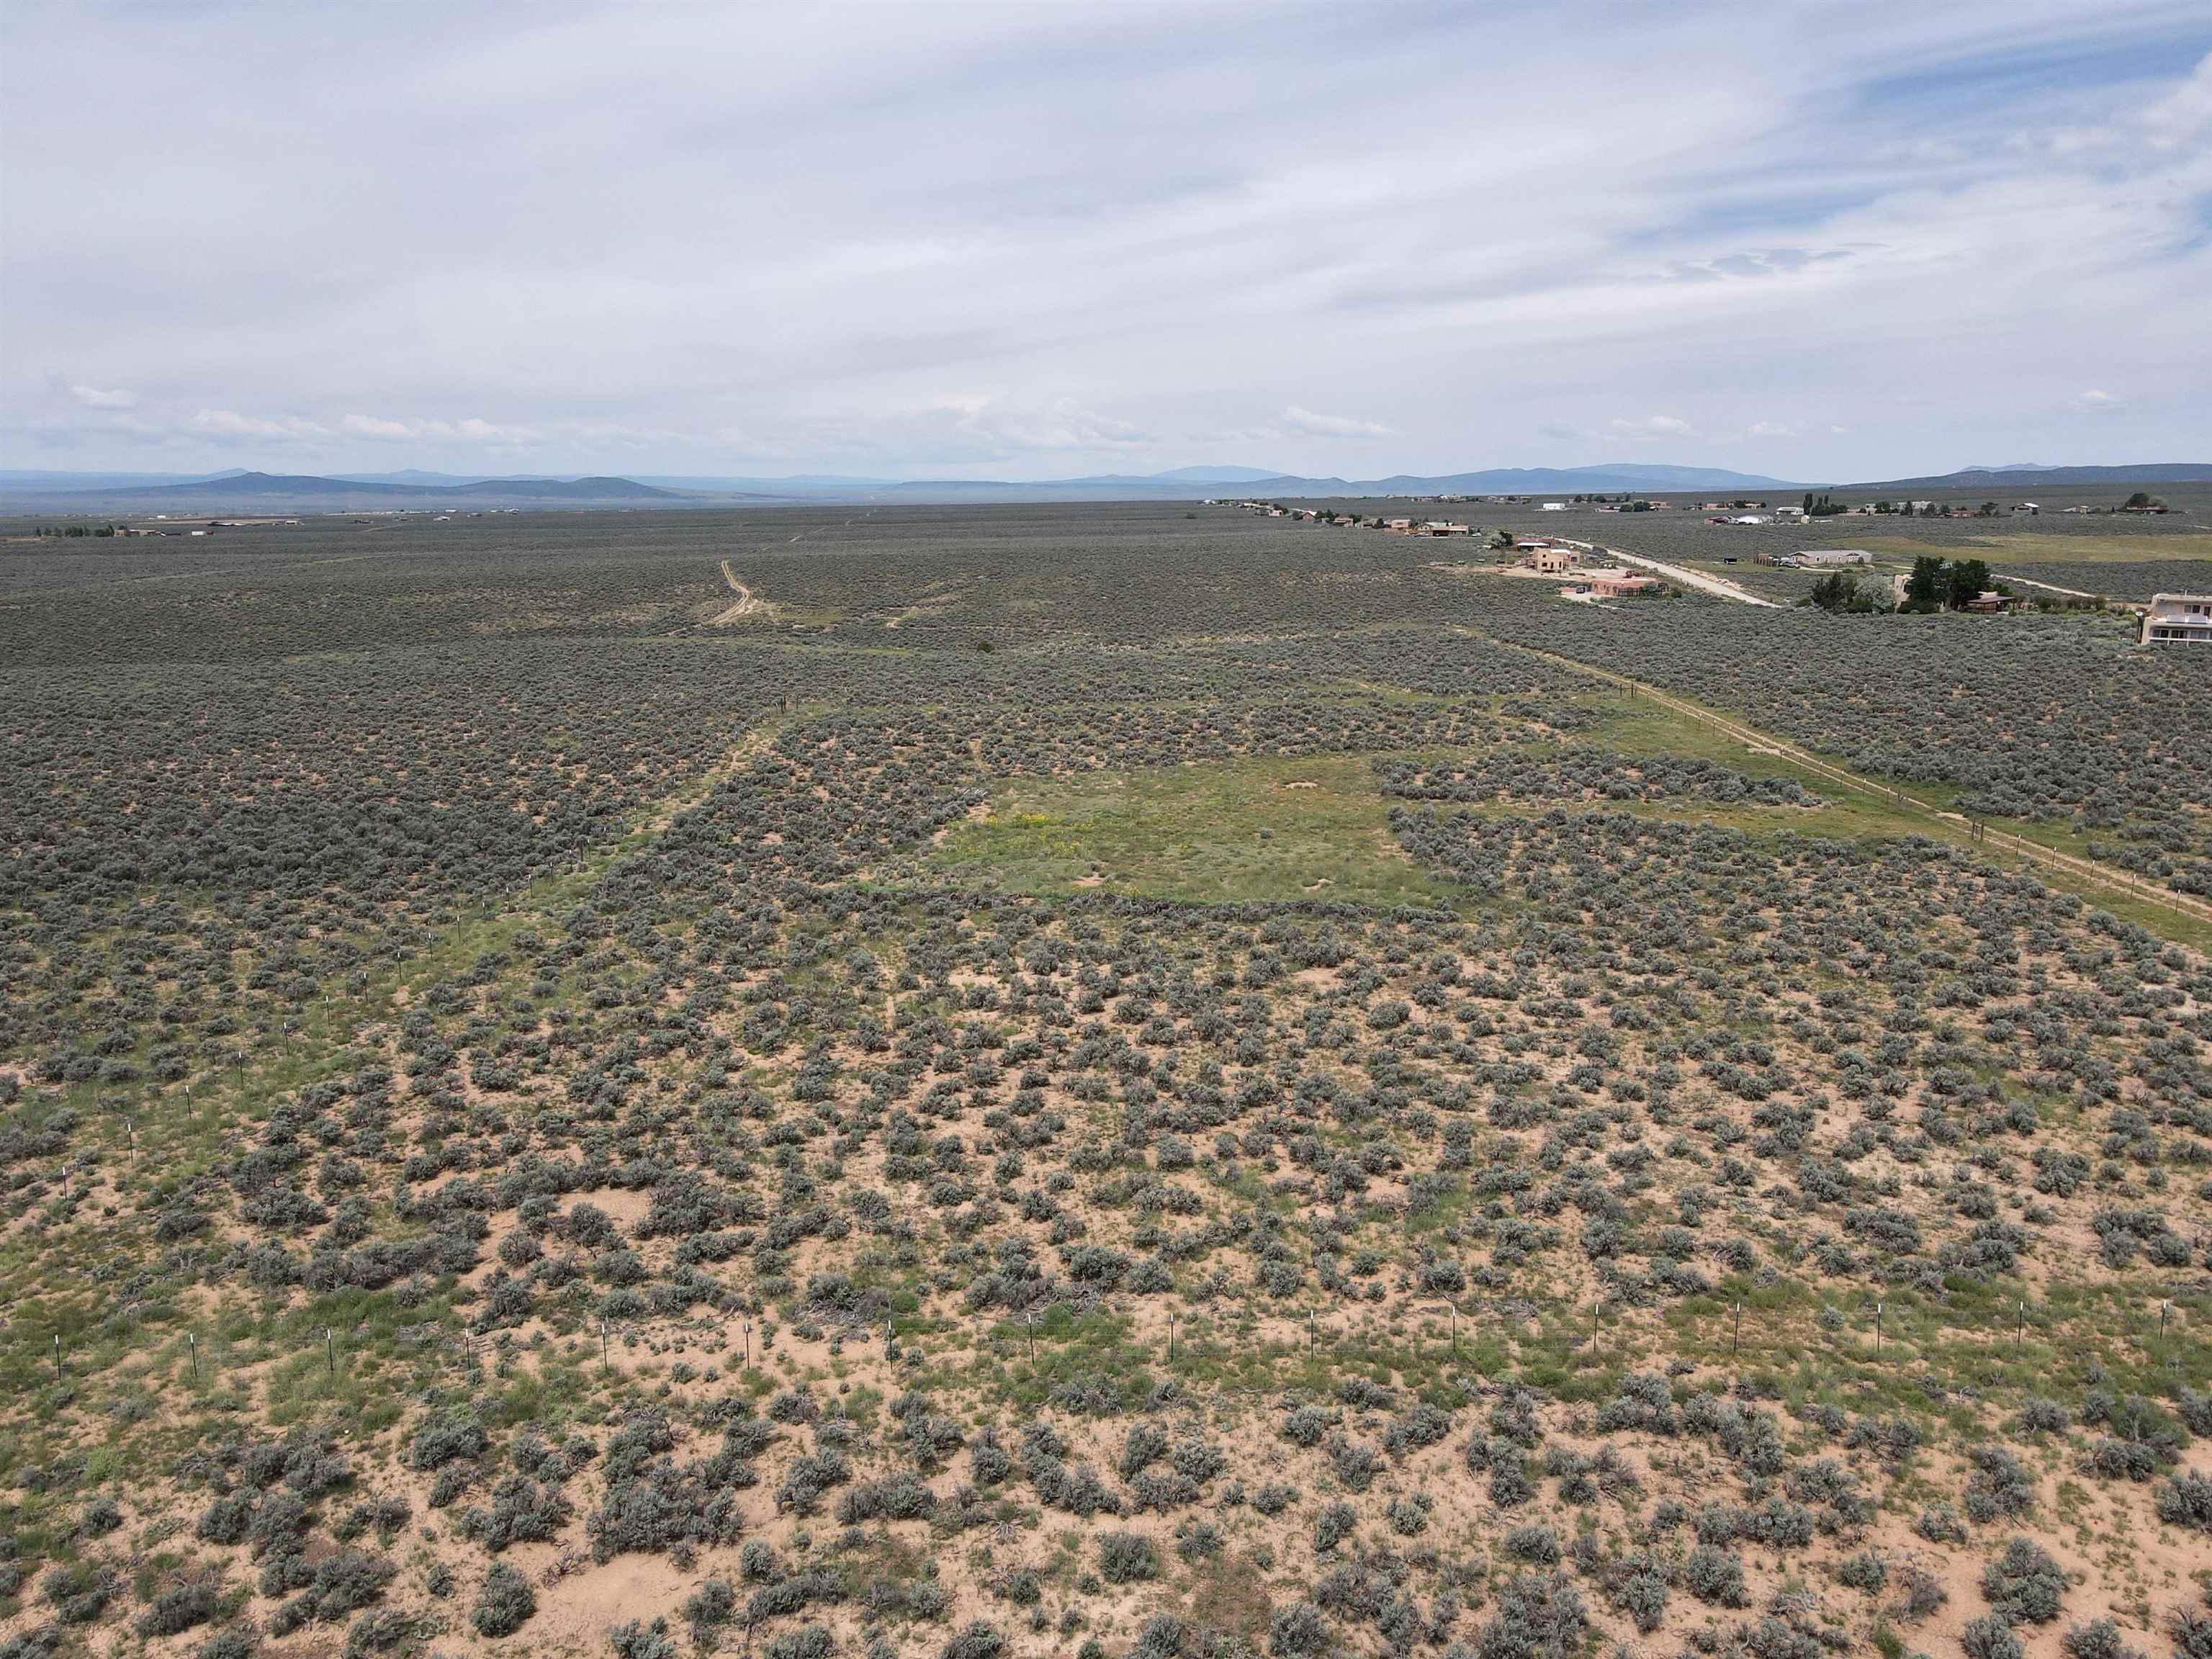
1258, 1114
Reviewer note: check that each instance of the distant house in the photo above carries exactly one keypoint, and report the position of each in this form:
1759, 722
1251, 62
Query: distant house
2024, 509
1444, 527
1552, 561
2179, 619
1986, 603
1831, 556
1619, 584
1748, 517
1554, 506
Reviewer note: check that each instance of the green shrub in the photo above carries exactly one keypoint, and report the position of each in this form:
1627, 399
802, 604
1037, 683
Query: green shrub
1127, 1557
507, 1602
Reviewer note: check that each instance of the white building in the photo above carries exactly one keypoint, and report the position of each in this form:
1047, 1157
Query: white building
1554, 506
2179, 619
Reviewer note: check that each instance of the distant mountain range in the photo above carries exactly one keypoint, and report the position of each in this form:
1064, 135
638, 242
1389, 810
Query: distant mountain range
23, 490
272, 488
1984, 478
1188, 482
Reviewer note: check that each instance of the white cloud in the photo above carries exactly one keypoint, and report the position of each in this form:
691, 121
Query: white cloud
229, 424
1652, 428
2184, 114
1331, 426
370, 426
1111, 236
93, 397
472, 431
2094, 402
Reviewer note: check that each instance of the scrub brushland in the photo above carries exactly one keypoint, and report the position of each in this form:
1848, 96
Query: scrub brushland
1098, 1081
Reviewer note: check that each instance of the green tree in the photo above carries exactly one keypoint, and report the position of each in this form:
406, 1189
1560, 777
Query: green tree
1834, 592
1964, 581
1924, 588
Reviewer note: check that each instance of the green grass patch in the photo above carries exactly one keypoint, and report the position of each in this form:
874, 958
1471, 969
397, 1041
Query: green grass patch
1222, 832
2120, 548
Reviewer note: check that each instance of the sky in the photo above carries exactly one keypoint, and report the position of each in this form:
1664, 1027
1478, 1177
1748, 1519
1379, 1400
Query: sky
1823, 242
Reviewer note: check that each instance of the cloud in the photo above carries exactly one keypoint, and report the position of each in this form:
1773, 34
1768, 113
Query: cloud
93, 397
1652, 428
1761, 262
2184, 114
229, 424
1331, 426
1107, 236
2094, 402
471, 431
369, 426
1770, 429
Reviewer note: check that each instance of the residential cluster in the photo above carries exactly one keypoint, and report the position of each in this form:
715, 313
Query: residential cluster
1330, 515
1557, 556
1815, 559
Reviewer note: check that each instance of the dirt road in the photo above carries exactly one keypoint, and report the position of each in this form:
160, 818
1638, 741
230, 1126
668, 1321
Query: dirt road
1719, 586
2122, 881
747, 605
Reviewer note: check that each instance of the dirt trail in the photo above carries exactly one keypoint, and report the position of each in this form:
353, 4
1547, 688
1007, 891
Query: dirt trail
748, 604
748, 749
2048, 588
2088, 869
1719, 586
